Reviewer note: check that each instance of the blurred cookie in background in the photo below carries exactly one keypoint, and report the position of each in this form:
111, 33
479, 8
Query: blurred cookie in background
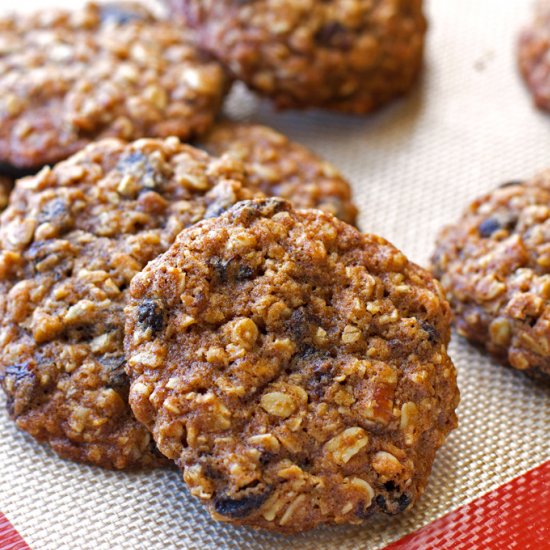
494, 264
68, 78
283, 168
351, 56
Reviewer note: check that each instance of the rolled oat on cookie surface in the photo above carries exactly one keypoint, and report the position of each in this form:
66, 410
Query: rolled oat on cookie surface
494, 264
283, 168
295, 369
352, 56
71, 240
68, 78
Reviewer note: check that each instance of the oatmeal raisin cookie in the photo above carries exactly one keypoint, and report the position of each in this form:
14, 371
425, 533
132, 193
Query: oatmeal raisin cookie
71, 240
347, 55
68, 78
494, 264
280, 167
295, 369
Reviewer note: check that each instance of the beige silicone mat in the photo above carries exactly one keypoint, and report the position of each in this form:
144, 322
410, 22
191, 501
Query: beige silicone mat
467, 128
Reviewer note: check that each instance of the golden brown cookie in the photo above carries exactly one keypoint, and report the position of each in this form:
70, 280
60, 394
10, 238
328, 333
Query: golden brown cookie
494, 264
295, 369
347, 55
68, 78
71, 240
282, 168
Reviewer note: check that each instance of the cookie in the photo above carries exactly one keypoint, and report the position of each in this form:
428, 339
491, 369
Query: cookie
533, 55
294, 368
352, 56
70, 78
494, 264
71, 240
280, 167
6, 185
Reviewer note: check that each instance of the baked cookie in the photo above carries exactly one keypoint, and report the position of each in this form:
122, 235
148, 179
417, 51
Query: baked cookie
282, 168
71, 240
6, 185
534, 55
494, 265
294, 368
347, 55
70, 78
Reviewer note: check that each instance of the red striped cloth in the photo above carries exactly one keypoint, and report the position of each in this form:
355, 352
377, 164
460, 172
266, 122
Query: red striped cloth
10, 539
514, 516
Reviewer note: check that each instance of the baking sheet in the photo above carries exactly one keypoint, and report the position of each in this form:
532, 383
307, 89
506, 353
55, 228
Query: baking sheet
468, 127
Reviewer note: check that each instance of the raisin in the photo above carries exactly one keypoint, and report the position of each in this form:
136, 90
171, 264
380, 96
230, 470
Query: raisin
433, 333
53, 211
307, 351
381, 503
114, 371
18, 372
333, 35
390, 486
24, 388
244, 272
227, 270
221, 267
403, 501
57, 212
215, 209
266, 457
247, 211
240, 508
362, 512
141, 168
151, 315
398, 505
122, 14
488, 227
300, 323
500, 221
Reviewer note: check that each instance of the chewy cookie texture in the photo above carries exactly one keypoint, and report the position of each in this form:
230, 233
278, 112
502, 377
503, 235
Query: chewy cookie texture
71, 240
294, 368
494, 265
282, 168
68, 78
347, 55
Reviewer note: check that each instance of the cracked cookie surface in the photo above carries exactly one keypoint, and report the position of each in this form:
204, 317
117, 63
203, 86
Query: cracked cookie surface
68, 78
282, 168
494, 265
71, 240
352, 56
294, 368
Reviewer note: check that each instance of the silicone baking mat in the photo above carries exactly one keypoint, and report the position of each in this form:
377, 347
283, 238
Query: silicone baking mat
468, 127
